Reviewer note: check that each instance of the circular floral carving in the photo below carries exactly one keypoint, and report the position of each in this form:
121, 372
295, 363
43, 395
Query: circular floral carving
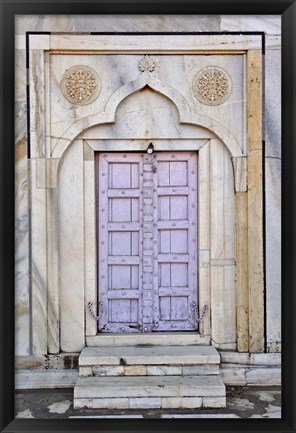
212, 85
80, 85
147, 63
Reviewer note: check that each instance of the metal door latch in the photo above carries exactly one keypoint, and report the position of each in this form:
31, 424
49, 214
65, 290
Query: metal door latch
203, 314
91, 312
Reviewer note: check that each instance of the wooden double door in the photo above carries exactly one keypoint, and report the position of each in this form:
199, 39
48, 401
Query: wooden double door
147, 241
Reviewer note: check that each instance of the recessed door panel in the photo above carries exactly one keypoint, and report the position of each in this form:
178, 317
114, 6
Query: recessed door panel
147, 241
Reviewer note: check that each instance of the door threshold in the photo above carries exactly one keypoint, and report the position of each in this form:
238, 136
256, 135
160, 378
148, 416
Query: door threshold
156, 339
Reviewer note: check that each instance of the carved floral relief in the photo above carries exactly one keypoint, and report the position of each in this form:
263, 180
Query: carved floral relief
80, 85
212, 85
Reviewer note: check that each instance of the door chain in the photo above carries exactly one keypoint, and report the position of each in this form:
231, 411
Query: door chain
203, 314
91, 312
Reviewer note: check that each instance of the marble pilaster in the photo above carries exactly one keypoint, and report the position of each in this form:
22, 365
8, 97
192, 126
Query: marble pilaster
255, 203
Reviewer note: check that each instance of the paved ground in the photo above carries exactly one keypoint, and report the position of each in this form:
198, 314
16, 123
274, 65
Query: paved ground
242, 402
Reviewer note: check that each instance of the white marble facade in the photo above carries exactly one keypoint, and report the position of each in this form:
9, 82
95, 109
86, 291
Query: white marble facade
77, 167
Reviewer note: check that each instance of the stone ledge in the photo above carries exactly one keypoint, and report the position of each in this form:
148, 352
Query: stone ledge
264, 359
28, 379
246, 376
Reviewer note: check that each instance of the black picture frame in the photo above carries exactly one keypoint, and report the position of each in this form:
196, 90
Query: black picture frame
287, 9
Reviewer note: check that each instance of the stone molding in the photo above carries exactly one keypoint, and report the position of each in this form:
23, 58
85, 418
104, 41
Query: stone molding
156, 43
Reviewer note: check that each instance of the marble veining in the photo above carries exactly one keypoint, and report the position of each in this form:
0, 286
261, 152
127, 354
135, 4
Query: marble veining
20, 75
270, 24
117, 23
22, 295
273, 252
272, 107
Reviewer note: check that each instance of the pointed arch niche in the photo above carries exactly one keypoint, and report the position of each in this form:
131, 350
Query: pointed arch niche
134, 108
145, 116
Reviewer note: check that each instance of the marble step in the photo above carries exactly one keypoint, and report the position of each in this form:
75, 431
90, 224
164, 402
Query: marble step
155, 339
153, 360
156, 355
149, 392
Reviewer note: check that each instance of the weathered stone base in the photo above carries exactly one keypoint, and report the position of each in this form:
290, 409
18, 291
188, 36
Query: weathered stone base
62, 361
60, 371
231, 376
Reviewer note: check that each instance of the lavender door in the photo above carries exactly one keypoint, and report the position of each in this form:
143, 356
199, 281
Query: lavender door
147, 241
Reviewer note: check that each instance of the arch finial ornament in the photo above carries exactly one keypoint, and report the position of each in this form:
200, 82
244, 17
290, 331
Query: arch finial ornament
147, 63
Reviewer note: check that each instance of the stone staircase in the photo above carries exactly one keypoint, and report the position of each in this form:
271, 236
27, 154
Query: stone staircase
149, 377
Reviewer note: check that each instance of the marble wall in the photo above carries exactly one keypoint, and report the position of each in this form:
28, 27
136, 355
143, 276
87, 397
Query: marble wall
273, 196
270, 25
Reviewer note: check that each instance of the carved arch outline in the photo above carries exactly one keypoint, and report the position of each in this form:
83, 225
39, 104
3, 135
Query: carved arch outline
147, 79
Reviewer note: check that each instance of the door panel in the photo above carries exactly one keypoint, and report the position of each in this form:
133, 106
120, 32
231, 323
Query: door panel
177, 245
154, 250
119, 254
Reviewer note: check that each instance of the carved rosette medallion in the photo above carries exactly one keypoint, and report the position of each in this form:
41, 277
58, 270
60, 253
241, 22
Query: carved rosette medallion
80, 85
147, 63
212, 85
